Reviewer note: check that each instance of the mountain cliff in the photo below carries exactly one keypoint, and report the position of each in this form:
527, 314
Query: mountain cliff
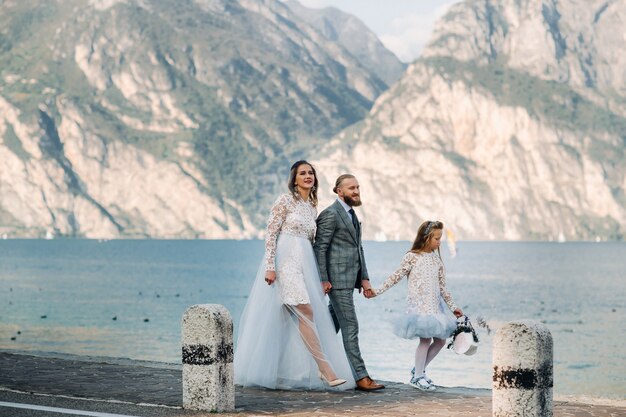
352, 34
162, 118
128, 118
511, 125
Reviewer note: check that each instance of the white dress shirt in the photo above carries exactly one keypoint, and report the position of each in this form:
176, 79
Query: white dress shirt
346, 207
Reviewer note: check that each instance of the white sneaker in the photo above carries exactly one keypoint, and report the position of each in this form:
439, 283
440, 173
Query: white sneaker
430, 381
421, 384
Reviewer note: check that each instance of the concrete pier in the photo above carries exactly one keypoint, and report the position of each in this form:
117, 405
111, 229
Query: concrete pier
522, 370
207, 351
138, 388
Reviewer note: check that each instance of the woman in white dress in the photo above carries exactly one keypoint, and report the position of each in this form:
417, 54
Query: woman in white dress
286, 337
426, 316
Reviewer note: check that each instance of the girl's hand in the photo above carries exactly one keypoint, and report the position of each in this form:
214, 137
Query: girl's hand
270, 277
458, 312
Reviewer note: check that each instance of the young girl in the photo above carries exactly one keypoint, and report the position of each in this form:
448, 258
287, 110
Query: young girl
426, 317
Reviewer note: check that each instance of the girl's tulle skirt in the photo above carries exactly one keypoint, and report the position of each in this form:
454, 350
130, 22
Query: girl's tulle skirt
270, 350
413, 325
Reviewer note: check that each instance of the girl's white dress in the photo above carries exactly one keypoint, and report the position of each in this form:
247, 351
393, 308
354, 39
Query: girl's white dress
270, 351
426, 314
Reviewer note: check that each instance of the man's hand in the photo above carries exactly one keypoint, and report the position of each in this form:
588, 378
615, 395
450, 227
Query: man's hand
369, 293
366, 287
326, 286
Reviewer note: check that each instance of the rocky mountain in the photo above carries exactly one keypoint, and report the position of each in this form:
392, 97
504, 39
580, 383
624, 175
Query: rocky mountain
512, 125
162, 118
352, 34
134, 118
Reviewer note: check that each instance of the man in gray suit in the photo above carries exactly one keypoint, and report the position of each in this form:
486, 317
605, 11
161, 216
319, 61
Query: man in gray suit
341, 261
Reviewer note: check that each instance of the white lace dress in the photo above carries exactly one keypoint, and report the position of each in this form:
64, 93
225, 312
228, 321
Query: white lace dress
289, 218
429, 304
270, 351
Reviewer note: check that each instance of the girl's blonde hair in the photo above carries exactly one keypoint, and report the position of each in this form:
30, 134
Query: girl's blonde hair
425, 234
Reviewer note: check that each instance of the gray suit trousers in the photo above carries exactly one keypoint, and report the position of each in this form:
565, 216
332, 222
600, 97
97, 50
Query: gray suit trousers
343, 314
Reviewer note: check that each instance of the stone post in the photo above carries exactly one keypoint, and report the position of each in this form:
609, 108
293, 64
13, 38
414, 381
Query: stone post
522, 370
207, 334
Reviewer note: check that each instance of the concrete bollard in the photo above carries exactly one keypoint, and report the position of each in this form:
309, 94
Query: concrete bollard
208, 382
522, 370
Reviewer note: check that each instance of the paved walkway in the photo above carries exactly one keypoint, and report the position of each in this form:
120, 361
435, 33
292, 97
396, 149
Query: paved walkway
151, 383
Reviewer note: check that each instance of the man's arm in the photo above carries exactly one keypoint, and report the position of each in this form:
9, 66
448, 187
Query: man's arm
364, 274
365, 278
324, 235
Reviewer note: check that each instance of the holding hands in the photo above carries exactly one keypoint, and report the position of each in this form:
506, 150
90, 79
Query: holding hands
368, 291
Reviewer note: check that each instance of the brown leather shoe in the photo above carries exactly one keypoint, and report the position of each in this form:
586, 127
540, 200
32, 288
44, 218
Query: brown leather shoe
367, 384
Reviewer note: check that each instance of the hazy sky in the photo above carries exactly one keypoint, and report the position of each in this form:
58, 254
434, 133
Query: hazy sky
403, 26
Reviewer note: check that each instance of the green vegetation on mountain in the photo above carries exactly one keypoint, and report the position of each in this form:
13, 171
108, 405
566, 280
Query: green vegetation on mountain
246, 90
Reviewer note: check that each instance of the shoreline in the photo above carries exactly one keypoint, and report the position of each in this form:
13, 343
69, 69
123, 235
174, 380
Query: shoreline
477, 392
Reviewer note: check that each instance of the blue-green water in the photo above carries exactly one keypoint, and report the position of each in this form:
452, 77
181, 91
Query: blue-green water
79, 286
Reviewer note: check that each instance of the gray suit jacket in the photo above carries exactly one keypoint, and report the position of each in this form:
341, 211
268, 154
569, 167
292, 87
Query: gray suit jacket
338, 249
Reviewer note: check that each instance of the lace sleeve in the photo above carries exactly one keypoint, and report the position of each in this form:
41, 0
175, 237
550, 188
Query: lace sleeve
405, 268
442, 288
274, 223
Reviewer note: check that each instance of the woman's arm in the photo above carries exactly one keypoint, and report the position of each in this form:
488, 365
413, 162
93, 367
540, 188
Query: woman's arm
277, 217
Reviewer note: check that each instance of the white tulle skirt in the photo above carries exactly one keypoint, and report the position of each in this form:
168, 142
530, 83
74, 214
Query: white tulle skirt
412, 324
270, 351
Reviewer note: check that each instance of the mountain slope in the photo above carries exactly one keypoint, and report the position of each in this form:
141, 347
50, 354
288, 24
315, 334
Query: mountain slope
511, 126
125, 118
164, 118
352, 34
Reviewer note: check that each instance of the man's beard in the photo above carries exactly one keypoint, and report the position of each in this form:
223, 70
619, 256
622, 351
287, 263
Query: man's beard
351, 202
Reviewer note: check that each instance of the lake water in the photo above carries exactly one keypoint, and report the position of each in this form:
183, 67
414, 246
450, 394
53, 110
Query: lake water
63, 296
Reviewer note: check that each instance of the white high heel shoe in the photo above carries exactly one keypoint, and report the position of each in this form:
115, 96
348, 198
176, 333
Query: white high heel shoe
334, 382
